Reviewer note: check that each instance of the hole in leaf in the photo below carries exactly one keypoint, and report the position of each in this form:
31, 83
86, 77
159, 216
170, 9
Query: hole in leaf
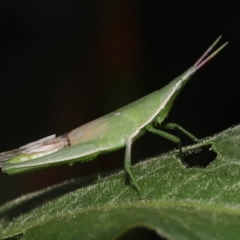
199, 157
140, 233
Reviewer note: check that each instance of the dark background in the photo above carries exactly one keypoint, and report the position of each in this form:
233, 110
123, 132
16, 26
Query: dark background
64, 63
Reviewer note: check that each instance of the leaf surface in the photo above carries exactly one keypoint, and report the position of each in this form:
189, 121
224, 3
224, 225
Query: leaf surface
177, 202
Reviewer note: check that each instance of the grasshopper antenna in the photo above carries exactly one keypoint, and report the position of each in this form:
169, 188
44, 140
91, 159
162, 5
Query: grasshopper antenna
201, 61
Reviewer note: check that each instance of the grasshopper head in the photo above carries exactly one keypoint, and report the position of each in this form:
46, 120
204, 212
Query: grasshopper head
171, 91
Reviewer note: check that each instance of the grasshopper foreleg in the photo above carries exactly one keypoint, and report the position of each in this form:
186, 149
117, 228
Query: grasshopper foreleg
181, 129
166, 135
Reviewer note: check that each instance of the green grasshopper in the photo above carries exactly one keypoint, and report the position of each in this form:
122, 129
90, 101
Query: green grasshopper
108, 133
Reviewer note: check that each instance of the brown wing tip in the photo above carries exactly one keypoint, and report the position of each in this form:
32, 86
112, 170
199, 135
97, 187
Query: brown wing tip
5, 156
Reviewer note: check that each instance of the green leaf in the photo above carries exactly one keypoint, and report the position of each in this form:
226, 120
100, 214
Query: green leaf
177, 202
